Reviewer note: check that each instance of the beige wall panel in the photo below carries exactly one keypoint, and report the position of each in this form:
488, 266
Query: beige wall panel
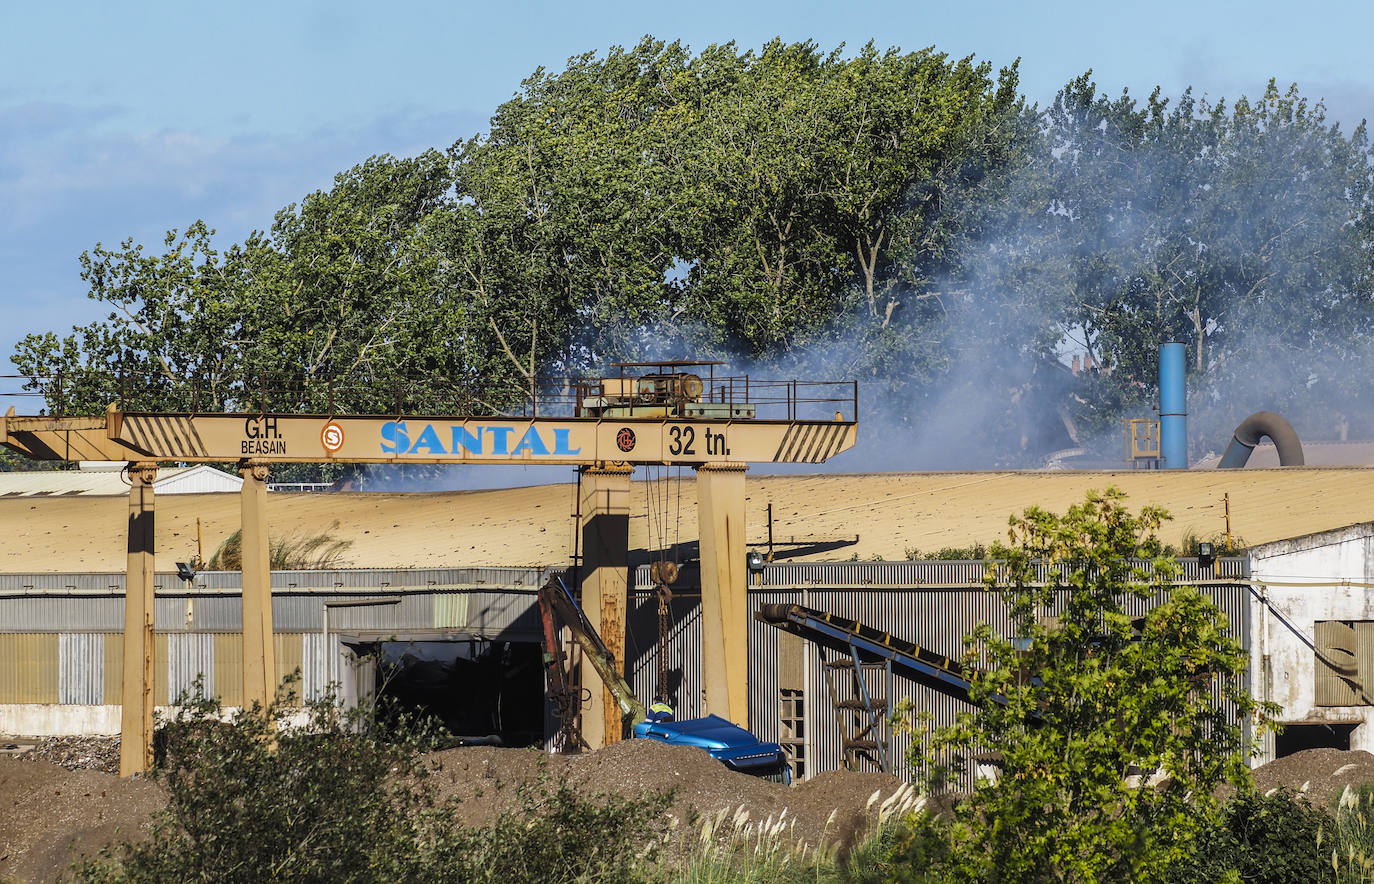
289, 647
791, 672
229, 668
114, 668
28, 668
1336, 669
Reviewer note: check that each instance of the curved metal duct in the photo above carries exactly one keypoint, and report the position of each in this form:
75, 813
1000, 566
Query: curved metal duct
1254, 428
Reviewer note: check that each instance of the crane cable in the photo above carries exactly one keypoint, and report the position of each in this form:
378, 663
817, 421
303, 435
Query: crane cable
663, 571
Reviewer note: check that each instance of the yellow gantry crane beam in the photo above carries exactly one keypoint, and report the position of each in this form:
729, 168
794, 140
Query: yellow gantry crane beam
294, 438
606, 448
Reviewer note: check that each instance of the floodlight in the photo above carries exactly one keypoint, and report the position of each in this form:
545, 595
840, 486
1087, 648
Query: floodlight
1206, 556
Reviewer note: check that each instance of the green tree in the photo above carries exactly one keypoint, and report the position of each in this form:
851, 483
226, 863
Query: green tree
820, 167
1080, 700
173, 318
1242, 230
353, 293
746, 199
563, 237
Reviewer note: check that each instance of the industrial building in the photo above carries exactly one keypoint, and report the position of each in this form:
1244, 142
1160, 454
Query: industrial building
62, 643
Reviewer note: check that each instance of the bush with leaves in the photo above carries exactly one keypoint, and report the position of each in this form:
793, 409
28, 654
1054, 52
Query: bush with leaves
1083, 700
247, 801
558, 834
337, 799
296, 552
1266, 839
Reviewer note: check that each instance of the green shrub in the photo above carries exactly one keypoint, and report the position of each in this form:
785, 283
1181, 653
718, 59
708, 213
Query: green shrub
921, 852
975, 553
1273, 839
338, 799
247, 802
559, 835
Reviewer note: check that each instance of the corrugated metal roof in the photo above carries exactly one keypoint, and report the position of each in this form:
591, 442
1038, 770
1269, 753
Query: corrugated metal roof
200, 479
933, 574
343, 581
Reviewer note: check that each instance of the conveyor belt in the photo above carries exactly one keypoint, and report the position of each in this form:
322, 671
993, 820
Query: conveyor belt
849, 636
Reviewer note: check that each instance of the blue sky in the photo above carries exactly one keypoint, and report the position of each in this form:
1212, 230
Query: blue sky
123, 122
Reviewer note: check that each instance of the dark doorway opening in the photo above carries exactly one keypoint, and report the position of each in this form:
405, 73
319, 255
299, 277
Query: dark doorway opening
483, 691
1297, 737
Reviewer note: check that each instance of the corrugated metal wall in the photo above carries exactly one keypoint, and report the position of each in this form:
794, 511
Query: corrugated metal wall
81, 668
932, 603
489, 601
29, 668
61, 636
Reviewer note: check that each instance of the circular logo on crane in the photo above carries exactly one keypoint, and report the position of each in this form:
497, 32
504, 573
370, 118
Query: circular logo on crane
625, 439
332, 437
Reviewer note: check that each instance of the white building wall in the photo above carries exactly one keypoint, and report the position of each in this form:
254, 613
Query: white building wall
1326, 576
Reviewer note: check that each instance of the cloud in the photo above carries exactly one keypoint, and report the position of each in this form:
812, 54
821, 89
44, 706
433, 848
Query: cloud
69, 178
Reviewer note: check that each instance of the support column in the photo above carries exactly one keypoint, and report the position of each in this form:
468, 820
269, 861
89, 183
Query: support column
605, 509
259, 652
136, 717
724, 582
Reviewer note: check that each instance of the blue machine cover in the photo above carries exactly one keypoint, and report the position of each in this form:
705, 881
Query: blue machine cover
726, 742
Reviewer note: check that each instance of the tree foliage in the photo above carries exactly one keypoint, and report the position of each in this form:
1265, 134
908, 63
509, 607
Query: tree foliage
1083, 704
1241, 230
901, 217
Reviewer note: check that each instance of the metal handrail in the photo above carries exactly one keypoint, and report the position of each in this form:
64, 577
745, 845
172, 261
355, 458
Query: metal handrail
70, 393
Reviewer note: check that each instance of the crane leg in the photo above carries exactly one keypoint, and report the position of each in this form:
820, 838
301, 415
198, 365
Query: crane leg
136, 717
724, 582
259, 650
605, 509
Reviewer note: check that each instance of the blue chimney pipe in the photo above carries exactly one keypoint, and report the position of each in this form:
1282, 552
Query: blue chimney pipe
1173, 408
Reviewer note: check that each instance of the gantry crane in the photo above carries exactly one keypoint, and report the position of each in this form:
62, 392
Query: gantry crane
662, 413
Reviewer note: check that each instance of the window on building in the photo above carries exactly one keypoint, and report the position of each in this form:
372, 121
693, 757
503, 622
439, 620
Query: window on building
1344, 667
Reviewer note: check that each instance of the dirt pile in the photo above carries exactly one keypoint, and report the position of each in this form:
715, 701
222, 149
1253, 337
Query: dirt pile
50, 816
832, 807
1322, 774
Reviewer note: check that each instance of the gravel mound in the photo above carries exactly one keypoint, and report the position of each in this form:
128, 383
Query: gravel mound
78, 753
1321, 773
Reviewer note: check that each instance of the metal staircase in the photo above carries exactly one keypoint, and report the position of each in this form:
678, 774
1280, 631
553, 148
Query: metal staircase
863, 717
